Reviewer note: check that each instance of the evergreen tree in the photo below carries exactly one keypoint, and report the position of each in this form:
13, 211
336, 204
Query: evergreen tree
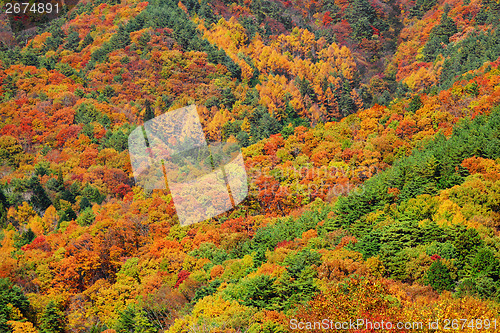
52, 319
72, 41
67, 215
210, 289
438, 277
29, 58
485, 263
369, 244
144, 40
11, 298
292, 291
116, 140
259, 292
297, 263
26, 237
467, 242
39, 198
469, 54
92, 193
68, 196
142, 324
305, 87
421, 7
346, 104
361, 17
84, 203
87, 40
439, 35
135, 320
126, 322
243, 138
149, 113
3, 207
415, 104
86, 217
120, 39
48, 62
487, 287
86, 113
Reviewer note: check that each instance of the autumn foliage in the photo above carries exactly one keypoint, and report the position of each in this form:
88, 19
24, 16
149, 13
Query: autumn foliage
369, 131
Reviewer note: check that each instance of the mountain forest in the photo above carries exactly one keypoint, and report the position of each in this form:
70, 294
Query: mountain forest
370, 132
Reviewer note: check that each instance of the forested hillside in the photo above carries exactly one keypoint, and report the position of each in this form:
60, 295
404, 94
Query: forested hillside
370, 132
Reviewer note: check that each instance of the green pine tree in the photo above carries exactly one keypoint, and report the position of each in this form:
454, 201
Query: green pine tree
415, 104
86, 217
40, 200
87, 40
440, 35
361, 17
72, 41
11, 297
467, 242
149, 113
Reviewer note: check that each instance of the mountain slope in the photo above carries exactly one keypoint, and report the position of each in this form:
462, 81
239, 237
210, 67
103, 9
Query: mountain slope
370, 137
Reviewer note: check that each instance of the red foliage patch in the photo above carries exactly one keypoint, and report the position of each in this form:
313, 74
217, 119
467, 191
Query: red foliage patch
435, 257
283, 244
183, 275
38, 243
